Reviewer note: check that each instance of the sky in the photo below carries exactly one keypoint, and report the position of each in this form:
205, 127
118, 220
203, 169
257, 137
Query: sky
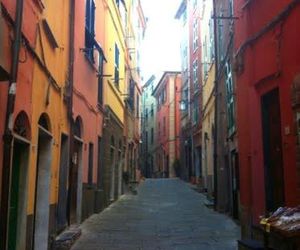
161, 45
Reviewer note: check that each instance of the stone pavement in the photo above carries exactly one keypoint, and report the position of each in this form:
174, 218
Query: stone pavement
166, 214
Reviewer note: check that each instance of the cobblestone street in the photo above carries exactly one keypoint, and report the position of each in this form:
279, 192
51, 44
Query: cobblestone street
166, 214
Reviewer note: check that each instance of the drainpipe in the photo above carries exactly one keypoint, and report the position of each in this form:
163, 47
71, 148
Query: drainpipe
8, 136
216, 107
70, 98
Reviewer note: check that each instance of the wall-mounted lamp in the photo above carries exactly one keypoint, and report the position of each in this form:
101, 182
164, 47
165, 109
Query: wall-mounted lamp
183, 105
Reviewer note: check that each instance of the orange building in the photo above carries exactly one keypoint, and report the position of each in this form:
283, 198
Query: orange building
87, 110
167, 94
35, 119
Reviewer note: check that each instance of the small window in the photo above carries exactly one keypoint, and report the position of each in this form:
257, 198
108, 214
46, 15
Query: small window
164, 126
117, 65
146, 115
195, 72
152, 135
195, 34
152, 109
90, 29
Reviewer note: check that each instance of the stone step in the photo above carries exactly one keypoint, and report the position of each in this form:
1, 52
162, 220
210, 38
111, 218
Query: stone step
250, 244
67, 238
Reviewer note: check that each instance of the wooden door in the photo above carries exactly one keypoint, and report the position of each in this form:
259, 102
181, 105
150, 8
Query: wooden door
273, 163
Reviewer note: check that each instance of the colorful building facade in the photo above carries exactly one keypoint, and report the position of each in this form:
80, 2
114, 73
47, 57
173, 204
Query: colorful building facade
37, 118
226, 167
195, 86
149, 109
63, 72
167, 94
86, 180
208, 97
267, 69
133, 97
187, 170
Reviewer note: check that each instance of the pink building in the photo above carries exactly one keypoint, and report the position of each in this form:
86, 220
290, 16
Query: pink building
167, 94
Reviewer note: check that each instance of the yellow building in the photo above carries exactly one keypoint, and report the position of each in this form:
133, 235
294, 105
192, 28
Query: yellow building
49, 117
208, 98
114, 89
121, 93
134, 33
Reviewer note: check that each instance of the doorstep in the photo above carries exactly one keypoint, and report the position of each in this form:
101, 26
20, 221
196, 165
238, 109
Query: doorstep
67, 238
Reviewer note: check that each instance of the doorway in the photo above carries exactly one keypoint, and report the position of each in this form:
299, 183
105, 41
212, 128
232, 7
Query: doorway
75, 187
272, 145
235, 184
42, 189
112, 168
61, 219
18, 196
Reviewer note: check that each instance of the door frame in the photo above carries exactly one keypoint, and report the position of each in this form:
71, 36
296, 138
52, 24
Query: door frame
21, 223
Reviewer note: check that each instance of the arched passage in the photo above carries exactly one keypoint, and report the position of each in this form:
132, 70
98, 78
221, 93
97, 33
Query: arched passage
42, 183
19, 183
75, 174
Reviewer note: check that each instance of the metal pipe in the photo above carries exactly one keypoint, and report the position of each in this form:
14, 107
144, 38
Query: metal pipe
70, 100
216, 108
8, 137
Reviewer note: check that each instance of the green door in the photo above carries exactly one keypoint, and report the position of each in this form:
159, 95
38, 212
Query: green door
14, 197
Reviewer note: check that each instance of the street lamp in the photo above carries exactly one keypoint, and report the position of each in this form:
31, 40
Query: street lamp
183, 105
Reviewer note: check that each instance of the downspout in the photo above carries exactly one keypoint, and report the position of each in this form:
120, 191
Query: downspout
216, 107
8, 136
70, 99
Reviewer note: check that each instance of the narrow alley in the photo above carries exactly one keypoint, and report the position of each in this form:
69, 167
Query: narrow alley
165, 214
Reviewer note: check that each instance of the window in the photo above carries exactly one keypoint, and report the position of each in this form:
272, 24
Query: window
90, 29
195, 34
195, 4
196, 112
100, 78
117, 65
91, 163
221, 36
195, 72
231, 8
159, 129
184, 59
164, 95
184, 100
152, 109
184, 17
230, 98
152, 135
131, 94
146, 115
164, 125
146, 140
211, 39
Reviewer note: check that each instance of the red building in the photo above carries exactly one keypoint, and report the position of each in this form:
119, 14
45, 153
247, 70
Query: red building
267, 66
87, 105
167, 94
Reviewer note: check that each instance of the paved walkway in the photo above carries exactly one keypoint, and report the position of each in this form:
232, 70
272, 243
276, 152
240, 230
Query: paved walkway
166, 214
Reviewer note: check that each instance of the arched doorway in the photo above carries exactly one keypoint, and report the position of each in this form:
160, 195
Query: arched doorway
75, 177
19, 183
112, 168
120, 168
42, 188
